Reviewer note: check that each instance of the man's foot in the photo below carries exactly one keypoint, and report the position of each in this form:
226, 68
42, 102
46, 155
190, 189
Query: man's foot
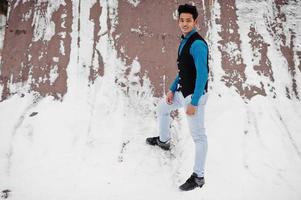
156, 141
193, 182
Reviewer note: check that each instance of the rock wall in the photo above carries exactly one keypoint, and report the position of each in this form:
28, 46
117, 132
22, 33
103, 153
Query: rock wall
255, 46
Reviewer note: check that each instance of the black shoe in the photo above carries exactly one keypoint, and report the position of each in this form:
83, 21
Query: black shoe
156, 141
193, 182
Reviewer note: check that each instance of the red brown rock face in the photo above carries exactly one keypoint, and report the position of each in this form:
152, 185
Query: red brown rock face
37, 60
95, 13
150, 33
13, 53
261, 47
288, 52
286, 43
299, 57
230, 47
32, 62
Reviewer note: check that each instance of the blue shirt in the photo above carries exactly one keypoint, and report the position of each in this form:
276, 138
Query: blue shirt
198, 51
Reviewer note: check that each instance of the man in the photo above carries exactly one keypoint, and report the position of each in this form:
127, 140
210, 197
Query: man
189, 90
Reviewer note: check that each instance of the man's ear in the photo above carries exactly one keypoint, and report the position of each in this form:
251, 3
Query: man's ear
196, 23
197, 26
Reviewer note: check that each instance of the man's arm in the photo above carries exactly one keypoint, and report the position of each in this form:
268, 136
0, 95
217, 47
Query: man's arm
174, 85
199, 52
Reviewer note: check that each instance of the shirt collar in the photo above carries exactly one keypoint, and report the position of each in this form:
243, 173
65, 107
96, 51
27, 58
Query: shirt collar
189, 34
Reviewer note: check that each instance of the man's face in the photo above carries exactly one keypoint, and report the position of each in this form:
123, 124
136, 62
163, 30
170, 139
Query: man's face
186, 23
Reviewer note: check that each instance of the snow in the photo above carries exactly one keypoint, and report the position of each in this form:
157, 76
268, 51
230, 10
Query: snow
135, 3
53, 74
92, 145
2, 31
44, 27
74, 149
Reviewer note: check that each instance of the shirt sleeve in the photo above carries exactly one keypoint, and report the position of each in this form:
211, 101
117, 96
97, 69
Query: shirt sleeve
199, 52
174, 85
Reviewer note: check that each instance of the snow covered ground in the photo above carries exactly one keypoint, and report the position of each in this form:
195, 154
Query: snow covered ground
92, 145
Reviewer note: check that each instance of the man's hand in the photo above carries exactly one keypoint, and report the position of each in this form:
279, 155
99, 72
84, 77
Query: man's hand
169, 97
190, 110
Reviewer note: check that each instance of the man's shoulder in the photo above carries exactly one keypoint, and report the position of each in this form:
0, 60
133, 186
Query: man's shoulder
199, 44
198, 39
198, 36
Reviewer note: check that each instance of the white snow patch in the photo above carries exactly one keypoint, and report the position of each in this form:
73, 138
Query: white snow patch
27, 15
2, 31
53, 74
135, 3
44, 28
62, 47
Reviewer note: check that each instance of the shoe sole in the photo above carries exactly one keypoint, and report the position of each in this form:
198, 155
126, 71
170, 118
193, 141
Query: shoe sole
190, 189
164, 148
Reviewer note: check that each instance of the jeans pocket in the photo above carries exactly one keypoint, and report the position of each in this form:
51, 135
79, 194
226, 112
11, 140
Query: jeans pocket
187, 99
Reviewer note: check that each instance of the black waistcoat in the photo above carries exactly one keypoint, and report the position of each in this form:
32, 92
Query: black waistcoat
186, 67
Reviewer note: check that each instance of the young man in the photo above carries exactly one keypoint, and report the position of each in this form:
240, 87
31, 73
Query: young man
189, 90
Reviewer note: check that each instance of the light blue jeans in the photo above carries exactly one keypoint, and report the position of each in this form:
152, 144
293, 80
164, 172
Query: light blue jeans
196, 126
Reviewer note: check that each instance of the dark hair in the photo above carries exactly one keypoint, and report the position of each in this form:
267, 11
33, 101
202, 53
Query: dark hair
188, 9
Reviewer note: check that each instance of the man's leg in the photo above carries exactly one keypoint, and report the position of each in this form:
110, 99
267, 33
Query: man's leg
197, 130
164, 118
164, 110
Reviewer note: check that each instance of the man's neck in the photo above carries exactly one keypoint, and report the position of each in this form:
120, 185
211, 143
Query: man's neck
189, 32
